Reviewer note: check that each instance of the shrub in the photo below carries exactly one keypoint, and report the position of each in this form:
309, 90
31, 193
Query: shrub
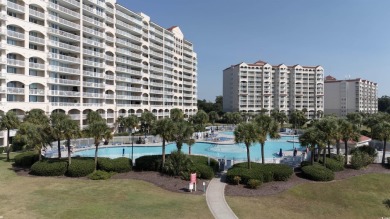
386, 202
203, 171
360, 160
177, 163
367, 149
244, 173
26, 159
254, 183
80, 167
236, 180
149, 163
2, 149
118, 165
100, 175
333, 164
388, 161
317, 173
338, 157
49, 168
204, 160
305, 163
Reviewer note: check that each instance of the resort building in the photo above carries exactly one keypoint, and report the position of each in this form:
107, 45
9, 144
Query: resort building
350, 95
263, 87
76, 56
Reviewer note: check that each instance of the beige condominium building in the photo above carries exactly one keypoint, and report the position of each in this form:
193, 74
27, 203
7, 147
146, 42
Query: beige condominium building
350, 95
77, 56
262, 86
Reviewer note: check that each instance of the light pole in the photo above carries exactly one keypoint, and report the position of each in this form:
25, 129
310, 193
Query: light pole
132, 146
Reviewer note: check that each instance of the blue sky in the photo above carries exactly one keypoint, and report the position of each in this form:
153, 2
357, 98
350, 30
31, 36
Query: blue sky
348, 37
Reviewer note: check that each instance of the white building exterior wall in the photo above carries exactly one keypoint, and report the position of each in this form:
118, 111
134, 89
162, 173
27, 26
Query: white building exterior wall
262, 86
351, 95
77, 56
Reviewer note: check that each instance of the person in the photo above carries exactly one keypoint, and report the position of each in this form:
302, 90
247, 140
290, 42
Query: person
123, 152
295, 152
280, 153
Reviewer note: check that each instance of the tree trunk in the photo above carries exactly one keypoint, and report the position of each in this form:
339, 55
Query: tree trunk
163, 152
96, 153
312, 156
346, 152
324, 157
69, 155
262, 153
178, 145
40, 156
8, 143
329, 148
189, 150
338, 147
59, 148
317, 152
248, 157
384, 151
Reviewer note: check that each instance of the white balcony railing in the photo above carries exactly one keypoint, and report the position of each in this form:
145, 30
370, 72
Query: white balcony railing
93, 84
64, 93
63, 57
37, 92
36, 65
64, 46
36, 13
64, 10
15, 90
63, 81
64, 34
64, 22
15, 6
37, 40
64, 69
93, 74
15, 34
15, 62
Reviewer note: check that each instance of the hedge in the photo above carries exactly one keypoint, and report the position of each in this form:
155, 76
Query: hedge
360, 159
149, 163
204, 160
80, 167
49, 168
26, 159
366, 149
262, 172
203, 171
118, 165
317, 172
333, 164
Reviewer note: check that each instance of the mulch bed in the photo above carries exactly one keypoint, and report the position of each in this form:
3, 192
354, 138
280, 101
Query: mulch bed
176, 184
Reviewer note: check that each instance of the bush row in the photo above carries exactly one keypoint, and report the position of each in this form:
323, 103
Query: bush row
261, 172
317, 172
26, 159
118, 165
361, 159
49, 168
333, 164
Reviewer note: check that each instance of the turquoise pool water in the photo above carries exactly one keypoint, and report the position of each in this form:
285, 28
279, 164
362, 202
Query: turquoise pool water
234, 151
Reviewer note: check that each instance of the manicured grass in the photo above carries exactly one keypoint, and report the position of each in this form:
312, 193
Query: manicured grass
51, 197
357, 197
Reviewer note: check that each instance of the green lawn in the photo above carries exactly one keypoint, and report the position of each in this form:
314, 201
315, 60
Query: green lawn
357, 197
51, 197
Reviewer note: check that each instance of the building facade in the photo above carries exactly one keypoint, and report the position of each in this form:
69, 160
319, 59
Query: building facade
349, 96
77, 56
261, 86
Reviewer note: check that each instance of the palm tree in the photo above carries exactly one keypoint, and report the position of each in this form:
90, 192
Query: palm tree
236, 118
147, 120
213, 116
97, 130
355, 118
94, 116
57, 120
71, 130
176, 115
131, 122
190, 142
120, 123
382, 130
37, 116
246, 133
200, 119
228, 117
327, 126
297, 118
9, 121
280, 117
265, 126
310, 138
371, 120
164, 128
348, 131
181, 133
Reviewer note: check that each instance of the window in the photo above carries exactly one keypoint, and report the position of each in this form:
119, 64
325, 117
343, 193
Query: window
11, 56
11, 42
32, 46
12, 14
33, 98
11, 70
33, 72
33, 20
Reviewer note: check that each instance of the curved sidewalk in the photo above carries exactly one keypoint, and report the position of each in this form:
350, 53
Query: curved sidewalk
215, 196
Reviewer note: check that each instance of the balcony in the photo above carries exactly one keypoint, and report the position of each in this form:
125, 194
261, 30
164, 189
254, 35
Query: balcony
93, 42
36, 13
36, 65
110, 96
93, 32
15, 34
109, 58
125, 88
64, 81
37, 40
63, 58
64, 93
93, 11
92, 63
93, 84
38, 92
132, 19
109, 77
93, 53
126, 79
16, 7
93, 95
66, 104
15, 90
93, 74
64, 69
128, 27
110, 39
92, 21
64, 10
128, 44
128, 62
126, 70
64, 22
128, 53
109, 20
15, 62
64, 34
64, 46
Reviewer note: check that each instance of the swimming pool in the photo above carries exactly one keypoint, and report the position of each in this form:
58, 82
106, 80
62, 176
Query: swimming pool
233, 151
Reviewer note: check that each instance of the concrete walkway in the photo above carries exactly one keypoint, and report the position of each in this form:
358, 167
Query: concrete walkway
215, 196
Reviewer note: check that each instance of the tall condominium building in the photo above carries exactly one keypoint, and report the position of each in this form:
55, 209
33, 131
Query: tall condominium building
350, 95
76, 56
261, 86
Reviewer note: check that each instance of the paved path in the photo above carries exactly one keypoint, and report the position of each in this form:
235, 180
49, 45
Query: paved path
215, 196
